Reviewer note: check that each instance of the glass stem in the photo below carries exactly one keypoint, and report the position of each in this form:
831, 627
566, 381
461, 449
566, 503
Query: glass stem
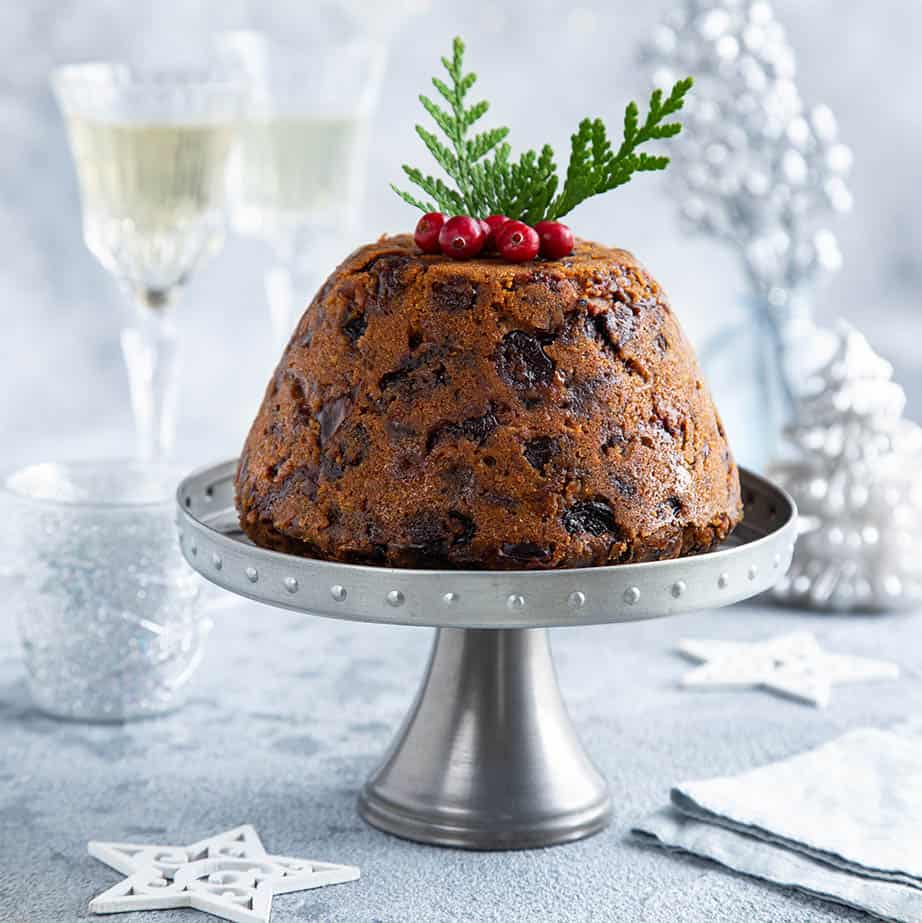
291, 284
150, 346
280, 292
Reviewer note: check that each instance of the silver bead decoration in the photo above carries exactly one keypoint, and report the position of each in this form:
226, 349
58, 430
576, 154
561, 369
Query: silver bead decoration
678, 588
761, 172
753, 166
515, 602
853, 470
217, 561
252, 574
631, 595
338, 593
723, 581
450, 598
291, 584
395, 598
576, 600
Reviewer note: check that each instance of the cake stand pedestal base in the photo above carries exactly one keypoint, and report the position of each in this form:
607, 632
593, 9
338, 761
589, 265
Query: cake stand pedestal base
487, 757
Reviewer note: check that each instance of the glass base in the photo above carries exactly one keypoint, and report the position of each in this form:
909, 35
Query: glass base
62, 685
113, 716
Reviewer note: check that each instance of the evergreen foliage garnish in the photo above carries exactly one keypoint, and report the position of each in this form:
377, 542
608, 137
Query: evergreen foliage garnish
487, 181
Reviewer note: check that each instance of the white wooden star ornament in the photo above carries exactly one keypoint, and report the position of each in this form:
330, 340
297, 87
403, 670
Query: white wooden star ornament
229, 875
793, 665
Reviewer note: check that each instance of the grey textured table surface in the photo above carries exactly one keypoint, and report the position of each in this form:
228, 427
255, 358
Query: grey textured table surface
290, 713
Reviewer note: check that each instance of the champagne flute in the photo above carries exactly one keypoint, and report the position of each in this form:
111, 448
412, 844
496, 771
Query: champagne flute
151, 150
297, 178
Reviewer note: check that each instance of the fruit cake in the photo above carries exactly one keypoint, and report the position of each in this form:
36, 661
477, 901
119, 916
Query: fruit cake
437, 413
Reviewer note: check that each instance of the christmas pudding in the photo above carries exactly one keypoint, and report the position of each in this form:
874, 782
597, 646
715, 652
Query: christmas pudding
488, 394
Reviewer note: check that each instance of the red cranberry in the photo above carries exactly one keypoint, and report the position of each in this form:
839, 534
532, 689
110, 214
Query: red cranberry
493, 224
461, 237
427, 232
556, 239
517, 242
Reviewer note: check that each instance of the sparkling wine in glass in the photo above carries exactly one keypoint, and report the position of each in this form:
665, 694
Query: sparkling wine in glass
151, 150
297, 178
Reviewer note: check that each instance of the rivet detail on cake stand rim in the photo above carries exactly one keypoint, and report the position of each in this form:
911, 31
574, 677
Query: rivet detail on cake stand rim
395, 598
217, 561
678, 588
576, 600
515, 601
252, 574
632, 595
338, 592
291, 584
723, 581
450, 598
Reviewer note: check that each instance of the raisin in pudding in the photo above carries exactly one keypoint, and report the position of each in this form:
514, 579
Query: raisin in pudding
485, 414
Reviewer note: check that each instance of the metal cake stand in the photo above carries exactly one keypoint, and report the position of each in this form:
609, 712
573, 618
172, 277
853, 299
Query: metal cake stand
487, 757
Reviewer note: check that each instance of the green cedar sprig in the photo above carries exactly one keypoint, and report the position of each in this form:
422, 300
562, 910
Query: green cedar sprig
527, 188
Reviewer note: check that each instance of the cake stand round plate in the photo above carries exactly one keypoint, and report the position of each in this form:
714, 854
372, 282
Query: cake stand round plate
487, 757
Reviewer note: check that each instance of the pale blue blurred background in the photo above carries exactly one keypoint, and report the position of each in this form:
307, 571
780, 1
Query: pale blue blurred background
545, 64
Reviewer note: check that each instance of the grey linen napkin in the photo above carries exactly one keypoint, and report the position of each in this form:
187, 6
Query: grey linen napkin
842, 822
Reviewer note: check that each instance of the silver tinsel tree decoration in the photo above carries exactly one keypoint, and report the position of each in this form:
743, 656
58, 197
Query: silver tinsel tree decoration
854, 474
755, 169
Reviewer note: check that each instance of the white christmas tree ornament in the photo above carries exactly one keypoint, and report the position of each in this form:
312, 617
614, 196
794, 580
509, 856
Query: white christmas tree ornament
229, 875
856, 476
